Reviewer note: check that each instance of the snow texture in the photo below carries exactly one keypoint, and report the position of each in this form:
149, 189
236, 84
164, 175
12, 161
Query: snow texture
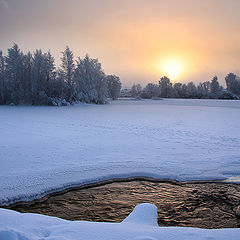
44, 149
141, 224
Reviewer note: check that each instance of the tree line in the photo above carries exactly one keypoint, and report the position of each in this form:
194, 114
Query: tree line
208, 89
33, 78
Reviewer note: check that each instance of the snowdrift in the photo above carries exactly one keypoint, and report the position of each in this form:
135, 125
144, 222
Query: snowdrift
141, 224
47, 149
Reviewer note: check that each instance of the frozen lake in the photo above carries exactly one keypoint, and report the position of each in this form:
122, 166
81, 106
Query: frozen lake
43, 149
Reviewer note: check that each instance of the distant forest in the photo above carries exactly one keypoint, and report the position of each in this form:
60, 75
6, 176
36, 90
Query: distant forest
209, 89
33, 79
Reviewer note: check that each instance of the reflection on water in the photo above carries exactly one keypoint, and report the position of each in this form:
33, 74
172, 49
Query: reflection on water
235, 179
206, 205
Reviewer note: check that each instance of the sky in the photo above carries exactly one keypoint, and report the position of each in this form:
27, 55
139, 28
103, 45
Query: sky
138, 40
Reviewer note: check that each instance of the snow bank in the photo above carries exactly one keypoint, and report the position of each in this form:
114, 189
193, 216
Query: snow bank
139, 225
44, 149
145, 214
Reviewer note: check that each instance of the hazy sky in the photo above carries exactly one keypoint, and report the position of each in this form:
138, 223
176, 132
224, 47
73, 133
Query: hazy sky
132, 38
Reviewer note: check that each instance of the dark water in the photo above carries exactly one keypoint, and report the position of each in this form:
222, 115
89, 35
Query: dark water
204, 205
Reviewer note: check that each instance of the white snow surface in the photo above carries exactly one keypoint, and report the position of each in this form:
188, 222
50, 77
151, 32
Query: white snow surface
141, 224
44, 149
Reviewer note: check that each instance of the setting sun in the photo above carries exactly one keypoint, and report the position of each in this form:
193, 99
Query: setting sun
172, 68
106, 105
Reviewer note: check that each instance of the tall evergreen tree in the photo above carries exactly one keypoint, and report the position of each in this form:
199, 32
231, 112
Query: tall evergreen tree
49, 72
66, 73
37, 72
27, 77
42, 76
67, 67
2, 83
14, 74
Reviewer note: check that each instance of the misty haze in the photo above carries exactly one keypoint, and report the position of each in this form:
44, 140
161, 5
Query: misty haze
119, 120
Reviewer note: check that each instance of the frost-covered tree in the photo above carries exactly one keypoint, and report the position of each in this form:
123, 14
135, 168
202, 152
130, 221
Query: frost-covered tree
134, 92
101, 89
233, 83
49, 72
66, 73
2, 83
32, 79
136, 89
27, 77
151, 91
43, 74
114, 86
165, 87
215, 87
178, 90
191, 90
14, 74
204, 89
184, 90
90, 81
67, 67
37, 72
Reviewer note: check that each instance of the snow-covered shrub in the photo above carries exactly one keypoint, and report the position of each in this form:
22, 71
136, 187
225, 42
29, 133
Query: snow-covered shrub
150, 91
136, 90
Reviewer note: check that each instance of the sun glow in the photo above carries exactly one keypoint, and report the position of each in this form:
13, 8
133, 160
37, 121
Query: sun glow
172, 68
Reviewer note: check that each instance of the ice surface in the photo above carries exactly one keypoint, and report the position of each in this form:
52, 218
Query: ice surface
27, 226
43, 149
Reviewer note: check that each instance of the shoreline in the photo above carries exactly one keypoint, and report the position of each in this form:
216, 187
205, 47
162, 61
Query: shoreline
204, 204
42, 197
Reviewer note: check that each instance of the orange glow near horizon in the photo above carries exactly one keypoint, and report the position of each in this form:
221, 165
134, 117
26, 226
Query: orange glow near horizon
140, 41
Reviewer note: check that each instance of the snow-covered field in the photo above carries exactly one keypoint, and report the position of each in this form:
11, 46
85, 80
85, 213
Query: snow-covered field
47, 148
141, 224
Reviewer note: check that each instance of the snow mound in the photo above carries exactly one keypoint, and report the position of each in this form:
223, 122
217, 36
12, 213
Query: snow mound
145, 213
141, 224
